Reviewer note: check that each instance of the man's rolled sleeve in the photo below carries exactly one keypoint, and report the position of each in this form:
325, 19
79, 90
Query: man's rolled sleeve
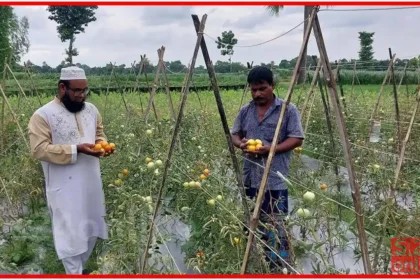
237, 125
294, 125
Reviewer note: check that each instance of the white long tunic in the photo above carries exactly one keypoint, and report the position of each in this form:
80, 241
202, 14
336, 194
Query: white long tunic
73, 181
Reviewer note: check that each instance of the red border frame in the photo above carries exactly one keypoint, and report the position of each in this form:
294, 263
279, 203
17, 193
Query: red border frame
211, 3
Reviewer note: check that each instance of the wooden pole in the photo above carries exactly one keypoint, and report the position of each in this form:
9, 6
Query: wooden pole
355, 189
249, 66
311, 89
340, 84
403, 76
375, 109
331, 134
150, 91
397, 110
173, 141
161, 53
17, 82
217, 96
121, 91
255, 217
136, 85
152, 94
32, 83
107, 90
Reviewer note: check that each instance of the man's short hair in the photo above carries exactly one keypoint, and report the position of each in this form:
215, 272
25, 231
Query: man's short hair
259, 75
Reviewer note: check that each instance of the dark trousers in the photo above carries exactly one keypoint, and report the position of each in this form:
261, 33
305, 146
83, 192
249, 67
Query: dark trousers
273, 210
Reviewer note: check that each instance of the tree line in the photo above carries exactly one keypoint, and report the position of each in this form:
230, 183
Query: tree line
221, 66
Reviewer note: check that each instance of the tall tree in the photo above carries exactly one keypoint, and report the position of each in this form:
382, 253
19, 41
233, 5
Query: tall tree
6, 15
14, 41
226, 44
71, 21
366, 49
19, 37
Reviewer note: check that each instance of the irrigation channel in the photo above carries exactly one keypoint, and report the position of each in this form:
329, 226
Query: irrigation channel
344, 256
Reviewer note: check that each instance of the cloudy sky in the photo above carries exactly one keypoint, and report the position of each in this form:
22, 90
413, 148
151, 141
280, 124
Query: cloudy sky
121, 34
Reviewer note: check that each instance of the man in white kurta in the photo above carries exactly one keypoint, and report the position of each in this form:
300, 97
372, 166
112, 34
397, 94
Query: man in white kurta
62, 135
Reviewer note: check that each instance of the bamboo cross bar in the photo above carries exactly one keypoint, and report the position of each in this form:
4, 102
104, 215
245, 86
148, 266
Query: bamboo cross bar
261, 191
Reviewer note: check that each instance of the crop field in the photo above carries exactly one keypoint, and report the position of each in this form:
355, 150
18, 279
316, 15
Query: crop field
48, 81
200, 226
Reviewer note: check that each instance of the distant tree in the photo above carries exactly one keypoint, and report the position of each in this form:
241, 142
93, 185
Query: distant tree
366, 49
14, 41
19, 37
6, 15
175, 66
71, 21
226, 44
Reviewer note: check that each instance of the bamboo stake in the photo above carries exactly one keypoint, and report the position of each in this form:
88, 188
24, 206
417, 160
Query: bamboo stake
141, 66
13, 75
196, 92
33, 84
341, 88
5, 190
14, 117
217, 96
392, 189
355, 189
397, 110
107, 90
149, 90
311, 89
261, 191
183, 83
403, 76
173, 141
246, 86
121, 92
375, 109
161, 53
354, 75
309, 114
152, 94
331, 134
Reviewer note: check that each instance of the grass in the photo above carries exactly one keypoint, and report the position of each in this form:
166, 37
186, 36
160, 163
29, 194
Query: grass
203, 145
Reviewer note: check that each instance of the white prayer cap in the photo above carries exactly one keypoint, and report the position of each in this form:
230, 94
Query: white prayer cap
72, 73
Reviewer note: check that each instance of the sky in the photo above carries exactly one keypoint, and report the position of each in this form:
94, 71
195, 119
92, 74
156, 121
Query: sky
122, 34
